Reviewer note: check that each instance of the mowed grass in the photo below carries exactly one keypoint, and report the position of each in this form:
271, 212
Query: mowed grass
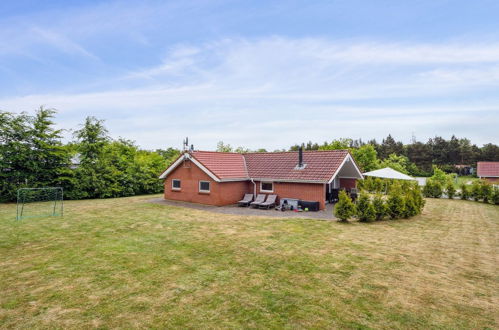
128, 263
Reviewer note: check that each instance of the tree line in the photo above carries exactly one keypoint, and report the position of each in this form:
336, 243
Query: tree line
416, 158
92, 165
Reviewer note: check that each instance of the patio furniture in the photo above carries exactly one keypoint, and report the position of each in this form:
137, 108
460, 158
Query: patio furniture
334, 196
310, 205
260, 198
288, 203
270, 202
248, 198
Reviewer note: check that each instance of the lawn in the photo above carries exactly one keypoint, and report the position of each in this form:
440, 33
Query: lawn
465, 180
129, 263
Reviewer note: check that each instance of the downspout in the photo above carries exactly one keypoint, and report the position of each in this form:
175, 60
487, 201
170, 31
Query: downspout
254, 187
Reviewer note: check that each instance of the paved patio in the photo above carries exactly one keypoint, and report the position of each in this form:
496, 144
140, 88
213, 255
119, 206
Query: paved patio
326, 214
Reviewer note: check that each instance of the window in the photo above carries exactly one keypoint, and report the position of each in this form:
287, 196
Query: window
204, 186
267, 186
176, 184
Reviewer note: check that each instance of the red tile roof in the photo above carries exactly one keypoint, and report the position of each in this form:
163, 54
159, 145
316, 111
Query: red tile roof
320, 165
488, 169
225, 165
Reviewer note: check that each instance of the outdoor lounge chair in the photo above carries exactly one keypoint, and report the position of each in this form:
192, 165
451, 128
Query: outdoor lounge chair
248, 198
260, 198
270, 202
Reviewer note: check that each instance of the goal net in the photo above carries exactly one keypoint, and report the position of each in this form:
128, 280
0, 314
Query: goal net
39, 202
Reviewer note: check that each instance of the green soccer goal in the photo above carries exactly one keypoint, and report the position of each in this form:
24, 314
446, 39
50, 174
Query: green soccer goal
39, 202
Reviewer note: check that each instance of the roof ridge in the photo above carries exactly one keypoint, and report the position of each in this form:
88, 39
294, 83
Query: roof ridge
266, 152
219, 152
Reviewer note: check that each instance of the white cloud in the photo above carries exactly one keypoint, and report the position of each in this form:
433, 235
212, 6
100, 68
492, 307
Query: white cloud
61, 42
273, 92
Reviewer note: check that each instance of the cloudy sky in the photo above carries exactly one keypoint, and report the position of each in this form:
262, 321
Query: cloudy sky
256, 73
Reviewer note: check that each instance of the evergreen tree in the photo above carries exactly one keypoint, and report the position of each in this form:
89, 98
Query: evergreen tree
380, 207
15, 154
49, 158
495, 196
344, 209
365, 209
450, 190
396, 203
465, 193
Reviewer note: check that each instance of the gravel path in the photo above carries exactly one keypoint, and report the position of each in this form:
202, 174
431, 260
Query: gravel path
326, 214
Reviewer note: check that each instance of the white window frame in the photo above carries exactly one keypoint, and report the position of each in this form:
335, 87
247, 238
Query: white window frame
175, 188
204, 191
268, 191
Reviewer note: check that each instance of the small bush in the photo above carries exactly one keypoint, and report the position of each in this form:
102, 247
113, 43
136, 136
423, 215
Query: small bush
344, 209
365, 209
465, 193
495, 196
485, 191
476, 191
450, 190
432, 189
396, 203
379, 185
441, 177
417, 197
380, 208
411, 209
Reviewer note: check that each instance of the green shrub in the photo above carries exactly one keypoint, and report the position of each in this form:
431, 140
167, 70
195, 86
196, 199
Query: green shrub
396, 203
495, 196
365, 209
432, 189
379, 185
411, 209
417, 197
450, 190
465, 193
476, 191
441, 177
380, 208
485, 191
344, 209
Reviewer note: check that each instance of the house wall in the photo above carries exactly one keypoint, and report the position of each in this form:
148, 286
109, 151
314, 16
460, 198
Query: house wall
232, 192
348, 183
305, 191
226, 193
491, 179
221, 193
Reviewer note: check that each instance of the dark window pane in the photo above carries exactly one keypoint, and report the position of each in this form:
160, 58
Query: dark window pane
204, 185
267, 186
176, 184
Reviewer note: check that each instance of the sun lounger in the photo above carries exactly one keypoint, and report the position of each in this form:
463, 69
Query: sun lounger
248, 198
260, 198
270, 202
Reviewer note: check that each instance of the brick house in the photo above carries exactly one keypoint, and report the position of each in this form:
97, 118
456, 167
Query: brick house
488, 171
222, 178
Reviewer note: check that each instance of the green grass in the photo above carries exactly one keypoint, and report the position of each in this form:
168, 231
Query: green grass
128, 263
465, 180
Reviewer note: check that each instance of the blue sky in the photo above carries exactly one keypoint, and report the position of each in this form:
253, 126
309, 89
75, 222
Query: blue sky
256, 73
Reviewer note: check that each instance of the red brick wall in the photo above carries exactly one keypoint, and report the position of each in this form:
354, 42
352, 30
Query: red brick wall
221, 193
492, 180
225, 193
232, 192
304, 191
348, 183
